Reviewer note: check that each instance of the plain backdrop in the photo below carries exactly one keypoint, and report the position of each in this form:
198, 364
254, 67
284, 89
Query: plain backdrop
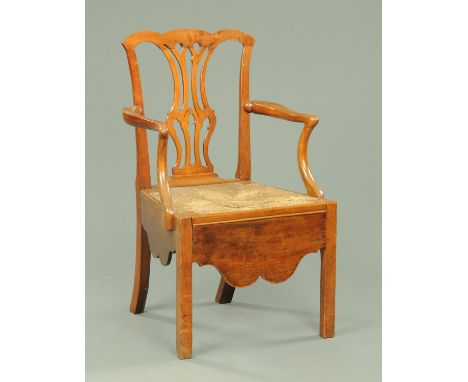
321, 57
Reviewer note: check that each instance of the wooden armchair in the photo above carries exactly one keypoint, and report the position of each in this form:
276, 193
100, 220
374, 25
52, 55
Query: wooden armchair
242, 228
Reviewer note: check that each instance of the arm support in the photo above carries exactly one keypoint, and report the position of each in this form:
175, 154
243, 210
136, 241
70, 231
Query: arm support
309, 120
134, 117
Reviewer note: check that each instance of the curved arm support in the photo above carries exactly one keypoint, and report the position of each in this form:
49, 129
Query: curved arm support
310, 121
311, 186
133, 116
163, 183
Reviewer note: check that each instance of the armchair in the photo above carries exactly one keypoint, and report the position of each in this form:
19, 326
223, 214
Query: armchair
244, 229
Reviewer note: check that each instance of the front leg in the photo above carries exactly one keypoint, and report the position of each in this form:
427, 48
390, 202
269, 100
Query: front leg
184, 289
328, 276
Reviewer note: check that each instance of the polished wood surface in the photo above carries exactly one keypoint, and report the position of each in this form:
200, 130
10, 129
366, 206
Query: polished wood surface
270, 248
328, 275
161, 240
279, 111
243, 171
243, 229
134, 116
184, 289
142, 272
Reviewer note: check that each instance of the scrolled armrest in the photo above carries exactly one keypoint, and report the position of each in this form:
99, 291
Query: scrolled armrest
133, 116
276, 110
279, 111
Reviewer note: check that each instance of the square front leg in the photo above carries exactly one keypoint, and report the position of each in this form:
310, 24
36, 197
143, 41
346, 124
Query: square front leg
184, 289
328, 276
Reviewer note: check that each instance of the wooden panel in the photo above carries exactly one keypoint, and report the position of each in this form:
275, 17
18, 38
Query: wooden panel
242, 251
161, 241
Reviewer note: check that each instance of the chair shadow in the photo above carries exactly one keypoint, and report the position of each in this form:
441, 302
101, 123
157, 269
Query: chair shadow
288, 341
274, 309
158, 317
264, 308
171, 320
200, 352
226, 367
310, 318
164, 305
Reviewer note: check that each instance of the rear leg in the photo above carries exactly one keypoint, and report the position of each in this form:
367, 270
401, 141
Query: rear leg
142, 272
225, 292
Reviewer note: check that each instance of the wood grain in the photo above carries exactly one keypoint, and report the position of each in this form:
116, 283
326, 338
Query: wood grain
328, 276
276, 110
133, 115
271, 248
161, 241
142, 272
163, 183
243, 171
143, 254
184, 289
196, 180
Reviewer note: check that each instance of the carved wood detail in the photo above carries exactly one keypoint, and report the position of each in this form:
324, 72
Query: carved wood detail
178, 46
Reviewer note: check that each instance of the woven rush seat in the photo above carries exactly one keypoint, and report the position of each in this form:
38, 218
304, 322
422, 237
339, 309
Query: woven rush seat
231, 197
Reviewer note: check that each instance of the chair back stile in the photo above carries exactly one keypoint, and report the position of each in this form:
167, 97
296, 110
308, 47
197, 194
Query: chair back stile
188, 53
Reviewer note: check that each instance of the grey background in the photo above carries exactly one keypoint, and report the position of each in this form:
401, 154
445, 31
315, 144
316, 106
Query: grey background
320, 57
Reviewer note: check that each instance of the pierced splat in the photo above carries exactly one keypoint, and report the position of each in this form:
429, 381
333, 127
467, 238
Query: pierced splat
191, 121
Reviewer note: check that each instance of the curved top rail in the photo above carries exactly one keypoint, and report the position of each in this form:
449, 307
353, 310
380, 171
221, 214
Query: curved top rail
187, 37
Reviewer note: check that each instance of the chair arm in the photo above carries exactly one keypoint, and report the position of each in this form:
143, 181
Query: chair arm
133, 116
310, 121
279, 111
